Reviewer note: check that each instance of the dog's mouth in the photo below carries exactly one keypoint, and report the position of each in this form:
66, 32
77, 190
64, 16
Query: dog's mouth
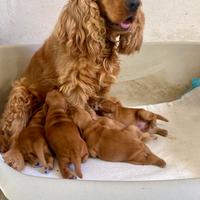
125, 25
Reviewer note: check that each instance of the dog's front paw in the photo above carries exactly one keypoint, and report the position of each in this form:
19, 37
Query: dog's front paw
50, 165
14, 159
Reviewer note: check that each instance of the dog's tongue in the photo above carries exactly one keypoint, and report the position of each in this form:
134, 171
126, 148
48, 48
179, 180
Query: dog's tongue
125, 24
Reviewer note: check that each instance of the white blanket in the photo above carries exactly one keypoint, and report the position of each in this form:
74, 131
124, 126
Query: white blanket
181, 149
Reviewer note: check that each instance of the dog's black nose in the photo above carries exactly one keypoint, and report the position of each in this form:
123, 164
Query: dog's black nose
133, 5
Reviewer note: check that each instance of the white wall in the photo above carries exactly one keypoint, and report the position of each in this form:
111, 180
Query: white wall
31, 21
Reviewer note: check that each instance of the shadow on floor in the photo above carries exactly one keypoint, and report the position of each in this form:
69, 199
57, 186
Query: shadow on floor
2, 197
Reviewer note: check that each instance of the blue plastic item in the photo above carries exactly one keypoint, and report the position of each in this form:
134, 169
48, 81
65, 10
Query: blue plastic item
195, 83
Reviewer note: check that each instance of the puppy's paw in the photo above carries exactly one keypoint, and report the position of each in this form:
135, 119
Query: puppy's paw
14, 159
161, 163
68, 174
85, 158
162, 132
158, 131
46, 170
32, 160
93, 153
72, 176
37, 165
50, 164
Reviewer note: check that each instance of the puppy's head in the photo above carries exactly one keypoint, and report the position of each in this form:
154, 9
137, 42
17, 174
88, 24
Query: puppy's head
104, 104
80, 117
55, 99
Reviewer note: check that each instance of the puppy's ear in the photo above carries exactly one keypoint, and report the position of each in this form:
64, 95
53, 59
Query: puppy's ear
132, 41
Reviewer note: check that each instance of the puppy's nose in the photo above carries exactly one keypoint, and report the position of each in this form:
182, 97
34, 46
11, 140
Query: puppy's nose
133, 5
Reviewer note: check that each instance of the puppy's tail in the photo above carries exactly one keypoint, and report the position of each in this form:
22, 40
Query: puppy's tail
160, 117
77, 164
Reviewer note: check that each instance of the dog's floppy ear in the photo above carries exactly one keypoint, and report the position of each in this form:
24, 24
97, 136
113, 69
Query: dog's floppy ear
80, 27
132, 41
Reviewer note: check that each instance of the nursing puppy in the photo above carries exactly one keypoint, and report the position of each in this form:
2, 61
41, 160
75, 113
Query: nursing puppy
32, 144
63, 136
145, 120
111, 144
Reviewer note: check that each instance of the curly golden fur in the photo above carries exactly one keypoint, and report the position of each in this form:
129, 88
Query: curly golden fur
80, 58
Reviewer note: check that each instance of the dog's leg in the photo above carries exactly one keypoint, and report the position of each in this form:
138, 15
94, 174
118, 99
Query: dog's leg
77, 163
39, 150
84, 153
15, 118
93, 153
146, 157
14, 157
159, 131
155, 160
49, 158
32, 159
64, 169
146, 115
151, 118
147, 137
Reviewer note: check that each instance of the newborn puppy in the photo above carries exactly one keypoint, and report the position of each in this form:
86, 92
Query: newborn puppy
146, 121
111, 144
63, 136
32, 144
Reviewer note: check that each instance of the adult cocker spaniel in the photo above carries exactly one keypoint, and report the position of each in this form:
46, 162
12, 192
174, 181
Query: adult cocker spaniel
80, 58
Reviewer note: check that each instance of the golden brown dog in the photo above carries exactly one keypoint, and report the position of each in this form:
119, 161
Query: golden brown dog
80, 58
111, 144
63, 136
32, 143
145, 120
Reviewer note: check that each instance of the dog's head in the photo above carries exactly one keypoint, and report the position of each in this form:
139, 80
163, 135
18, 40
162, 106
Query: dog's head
80, 117
55, 99
120, 14
104, 105
85, 26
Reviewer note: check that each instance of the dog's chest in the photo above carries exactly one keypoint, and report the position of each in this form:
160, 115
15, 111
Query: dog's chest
107, 75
